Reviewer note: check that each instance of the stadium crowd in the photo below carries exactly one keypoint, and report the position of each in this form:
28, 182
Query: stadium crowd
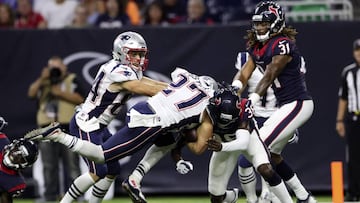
56, 14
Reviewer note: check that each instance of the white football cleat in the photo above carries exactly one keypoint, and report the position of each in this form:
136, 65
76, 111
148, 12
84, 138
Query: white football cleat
134, 191
309, 199
236, 195
268, 197
50, 132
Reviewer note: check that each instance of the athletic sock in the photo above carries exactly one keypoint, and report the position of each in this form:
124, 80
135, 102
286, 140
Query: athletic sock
78, 188
99, 189
248, 183
264, 187
296, 186
151, 157
84, 148
291, 179
281, 192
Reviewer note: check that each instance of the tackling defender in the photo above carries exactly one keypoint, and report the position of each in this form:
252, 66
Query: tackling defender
114, 84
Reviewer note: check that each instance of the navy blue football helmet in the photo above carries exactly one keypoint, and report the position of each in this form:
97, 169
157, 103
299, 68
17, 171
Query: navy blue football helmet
20, 153
225, 107
272, 13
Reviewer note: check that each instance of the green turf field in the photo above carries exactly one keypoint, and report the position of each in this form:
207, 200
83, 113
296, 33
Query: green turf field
182, 199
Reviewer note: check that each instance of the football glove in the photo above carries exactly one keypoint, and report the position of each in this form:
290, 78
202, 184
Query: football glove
184, 167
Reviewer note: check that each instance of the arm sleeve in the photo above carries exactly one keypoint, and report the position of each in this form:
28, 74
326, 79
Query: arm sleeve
240, 143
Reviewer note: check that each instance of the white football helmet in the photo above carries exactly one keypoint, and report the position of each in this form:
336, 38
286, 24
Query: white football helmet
130, 49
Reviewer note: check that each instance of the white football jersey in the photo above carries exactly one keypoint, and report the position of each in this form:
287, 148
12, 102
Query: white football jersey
185, 97
103, 104
267, 104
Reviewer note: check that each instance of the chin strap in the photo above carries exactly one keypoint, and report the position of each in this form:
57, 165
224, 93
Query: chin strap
264, 37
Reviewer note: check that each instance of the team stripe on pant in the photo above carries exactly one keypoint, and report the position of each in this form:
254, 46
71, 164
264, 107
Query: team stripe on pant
128, 142
285, 122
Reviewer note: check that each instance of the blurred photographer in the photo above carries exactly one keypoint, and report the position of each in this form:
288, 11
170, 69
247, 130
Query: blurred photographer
57, 92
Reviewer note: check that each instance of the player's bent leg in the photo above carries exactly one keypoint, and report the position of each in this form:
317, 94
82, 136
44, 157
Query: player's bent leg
80, 185
153, 155
247, 179
266, 196
291, 179
100, 188
276, 184
221, 167
134, 191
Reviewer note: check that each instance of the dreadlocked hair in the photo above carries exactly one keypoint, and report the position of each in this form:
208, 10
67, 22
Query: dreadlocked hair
288, 32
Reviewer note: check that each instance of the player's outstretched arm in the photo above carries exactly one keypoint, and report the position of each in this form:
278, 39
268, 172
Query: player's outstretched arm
203, 132
138, 87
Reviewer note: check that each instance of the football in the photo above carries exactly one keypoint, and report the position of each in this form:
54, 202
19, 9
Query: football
189, 135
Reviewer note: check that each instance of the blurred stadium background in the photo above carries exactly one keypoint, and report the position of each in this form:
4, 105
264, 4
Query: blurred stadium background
326, 44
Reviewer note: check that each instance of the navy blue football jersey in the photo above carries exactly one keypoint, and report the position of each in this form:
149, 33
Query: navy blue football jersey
10, 180
290, 84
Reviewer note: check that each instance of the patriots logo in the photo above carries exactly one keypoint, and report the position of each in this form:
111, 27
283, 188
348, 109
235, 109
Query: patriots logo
126, 73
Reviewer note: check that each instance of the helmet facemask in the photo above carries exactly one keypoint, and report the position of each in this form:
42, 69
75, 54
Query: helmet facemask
124, 47
271, 13
20, 154
137, 58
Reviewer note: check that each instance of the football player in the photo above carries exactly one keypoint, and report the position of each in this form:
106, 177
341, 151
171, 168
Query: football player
262, 110
115, 82
224, 129
179, 104
14, 156
273, 51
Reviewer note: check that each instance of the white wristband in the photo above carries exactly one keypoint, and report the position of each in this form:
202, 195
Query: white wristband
237, 83
254, 97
